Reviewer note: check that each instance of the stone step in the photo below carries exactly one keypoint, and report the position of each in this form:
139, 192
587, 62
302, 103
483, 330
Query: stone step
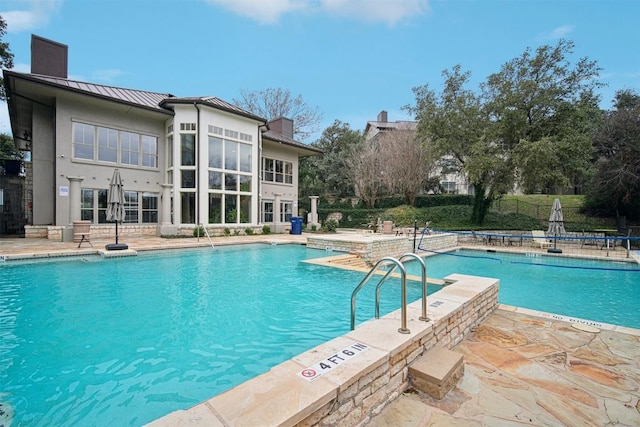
436, 371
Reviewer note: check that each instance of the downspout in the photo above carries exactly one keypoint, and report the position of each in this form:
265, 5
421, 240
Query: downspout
261, 129
197, 155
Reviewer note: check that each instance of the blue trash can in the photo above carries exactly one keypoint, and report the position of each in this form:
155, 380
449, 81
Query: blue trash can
296, 225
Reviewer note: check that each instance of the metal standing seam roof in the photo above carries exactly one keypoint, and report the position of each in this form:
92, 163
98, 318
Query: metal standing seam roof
273, 136
214, 102
141, 98
152, 100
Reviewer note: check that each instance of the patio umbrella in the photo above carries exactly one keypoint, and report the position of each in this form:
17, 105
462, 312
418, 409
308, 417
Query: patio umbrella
556, 224
115, 207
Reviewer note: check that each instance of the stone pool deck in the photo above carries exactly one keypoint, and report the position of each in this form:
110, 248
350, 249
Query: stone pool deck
521, 367
525, 370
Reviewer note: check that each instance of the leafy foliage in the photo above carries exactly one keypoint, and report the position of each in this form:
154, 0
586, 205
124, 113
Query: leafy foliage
8, 150
6, 57
329, 173
531, 124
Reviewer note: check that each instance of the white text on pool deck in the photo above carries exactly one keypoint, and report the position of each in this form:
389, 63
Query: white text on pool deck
324, 366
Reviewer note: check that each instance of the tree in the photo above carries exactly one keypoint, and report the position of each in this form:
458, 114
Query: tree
275, 103
457, 127
407, 164
616, 184
6, 57
530, 124
364, 163
330, 170
544, 109
8, 150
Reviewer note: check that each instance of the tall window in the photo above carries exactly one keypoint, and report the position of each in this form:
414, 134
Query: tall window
83, 141
149, 151
187, 149
129, 148
286, 211
149, 207
107, 145
131, 206
229, 177
267, 211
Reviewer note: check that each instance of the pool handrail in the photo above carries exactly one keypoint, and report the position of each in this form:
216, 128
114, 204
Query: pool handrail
423, 266
386, 260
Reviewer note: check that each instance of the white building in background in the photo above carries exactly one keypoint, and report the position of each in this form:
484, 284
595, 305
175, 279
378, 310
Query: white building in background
451, 182
184, 161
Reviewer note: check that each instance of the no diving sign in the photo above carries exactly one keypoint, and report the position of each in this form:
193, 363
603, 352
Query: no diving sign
324, 366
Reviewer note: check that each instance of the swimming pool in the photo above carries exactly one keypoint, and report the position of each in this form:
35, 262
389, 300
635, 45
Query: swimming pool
124, 341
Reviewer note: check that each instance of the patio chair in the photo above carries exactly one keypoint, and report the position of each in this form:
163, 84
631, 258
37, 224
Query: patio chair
539, 239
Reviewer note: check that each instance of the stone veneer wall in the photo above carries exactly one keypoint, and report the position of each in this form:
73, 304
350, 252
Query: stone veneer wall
367, 396
372, 248
54, 232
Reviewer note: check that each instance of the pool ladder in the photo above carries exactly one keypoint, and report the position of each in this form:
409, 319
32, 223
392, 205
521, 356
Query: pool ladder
397, 264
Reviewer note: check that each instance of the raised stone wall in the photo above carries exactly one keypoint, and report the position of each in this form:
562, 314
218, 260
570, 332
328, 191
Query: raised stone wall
372, 391
372, 247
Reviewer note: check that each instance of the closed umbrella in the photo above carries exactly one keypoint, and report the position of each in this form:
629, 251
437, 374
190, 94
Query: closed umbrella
115, 207
556, 224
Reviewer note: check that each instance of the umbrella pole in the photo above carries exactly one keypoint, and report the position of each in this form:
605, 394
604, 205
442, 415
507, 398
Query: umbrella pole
116, 232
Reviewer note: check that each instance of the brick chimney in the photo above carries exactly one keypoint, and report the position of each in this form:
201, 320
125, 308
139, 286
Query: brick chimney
382, 117
48, 58
283, 126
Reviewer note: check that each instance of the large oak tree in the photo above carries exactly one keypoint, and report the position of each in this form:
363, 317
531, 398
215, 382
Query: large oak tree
529, 124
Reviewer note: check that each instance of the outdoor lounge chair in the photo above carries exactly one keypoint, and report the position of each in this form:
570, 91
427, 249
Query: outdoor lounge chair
539, 239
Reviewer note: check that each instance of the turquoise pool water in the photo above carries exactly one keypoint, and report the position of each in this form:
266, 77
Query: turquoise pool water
602, 291
124, 341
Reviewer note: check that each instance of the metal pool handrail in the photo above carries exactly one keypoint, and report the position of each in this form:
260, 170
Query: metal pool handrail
423, 266
403, 329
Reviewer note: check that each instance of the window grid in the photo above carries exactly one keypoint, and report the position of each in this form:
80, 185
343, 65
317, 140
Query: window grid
110, 145
278, 171
93, 206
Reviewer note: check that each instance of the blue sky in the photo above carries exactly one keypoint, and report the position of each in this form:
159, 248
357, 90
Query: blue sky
350, 58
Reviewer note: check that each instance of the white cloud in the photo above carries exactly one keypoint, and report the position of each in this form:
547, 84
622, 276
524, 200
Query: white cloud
269, 11
557, 33
263, 11
36, 13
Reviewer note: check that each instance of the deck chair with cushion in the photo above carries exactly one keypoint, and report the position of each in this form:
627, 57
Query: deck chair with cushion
539, 239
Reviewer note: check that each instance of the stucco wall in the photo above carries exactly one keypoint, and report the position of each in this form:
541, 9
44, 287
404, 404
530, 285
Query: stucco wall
73, 108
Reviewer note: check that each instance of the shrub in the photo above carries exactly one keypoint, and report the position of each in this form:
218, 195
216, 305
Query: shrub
331, 225
198, 231
248, 231
266, 229
314, 227
227, 231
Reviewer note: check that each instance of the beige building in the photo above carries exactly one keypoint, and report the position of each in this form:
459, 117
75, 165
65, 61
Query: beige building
184, 161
